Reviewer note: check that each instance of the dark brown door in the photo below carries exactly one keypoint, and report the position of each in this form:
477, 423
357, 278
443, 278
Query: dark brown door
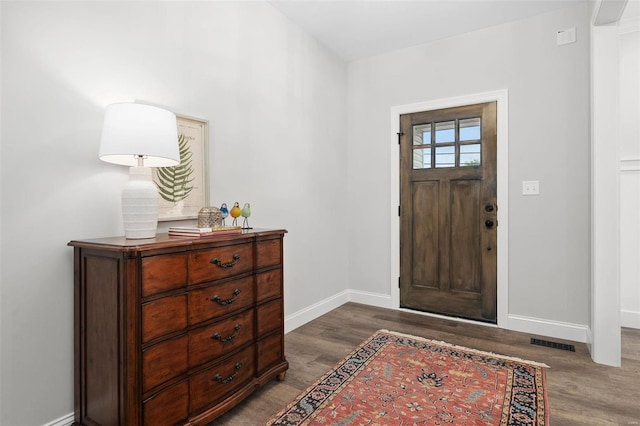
448, 215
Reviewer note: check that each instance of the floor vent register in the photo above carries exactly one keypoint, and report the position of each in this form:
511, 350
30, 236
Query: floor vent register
555, 345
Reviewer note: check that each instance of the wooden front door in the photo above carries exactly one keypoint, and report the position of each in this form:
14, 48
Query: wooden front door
448, 214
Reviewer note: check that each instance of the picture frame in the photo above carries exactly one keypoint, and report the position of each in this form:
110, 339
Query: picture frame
184, 189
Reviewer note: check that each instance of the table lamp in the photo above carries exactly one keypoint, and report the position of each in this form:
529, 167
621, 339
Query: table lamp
140, 136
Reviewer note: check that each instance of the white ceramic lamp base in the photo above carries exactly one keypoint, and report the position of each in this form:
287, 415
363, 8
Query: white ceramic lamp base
140, 204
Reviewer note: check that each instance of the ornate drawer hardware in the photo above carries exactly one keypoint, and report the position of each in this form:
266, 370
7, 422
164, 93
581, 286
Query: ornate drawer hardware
220, 264
218, 377
226, 302
229, 338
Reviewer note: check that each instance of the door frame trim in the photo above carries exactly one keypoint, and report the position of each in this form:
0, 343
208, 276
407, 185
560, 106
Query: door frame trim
502, 168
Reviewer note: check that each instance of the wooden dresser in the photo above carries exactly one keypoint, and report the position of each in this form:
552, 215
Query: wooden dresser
175, 330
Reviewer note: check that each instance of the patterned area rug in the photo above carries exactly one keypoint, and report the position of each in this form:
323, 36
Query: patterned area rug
397, 379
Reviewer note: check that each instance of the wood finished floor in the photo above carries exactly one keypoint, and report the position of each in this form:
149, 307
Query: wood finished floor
580, 392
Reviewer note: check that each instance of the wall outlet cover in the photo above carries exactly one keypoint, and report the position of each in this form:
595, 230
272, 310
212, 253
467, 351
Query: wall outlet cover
530, 187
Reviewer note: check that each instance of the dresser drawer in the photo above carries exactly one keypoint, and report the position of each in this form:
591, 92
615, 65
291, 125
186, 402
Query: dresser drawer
164, 316
269, 284
220, 338
221, 262
162, 273
215, 383
221, 299
163, 361
269, 317
167, 408
268, 253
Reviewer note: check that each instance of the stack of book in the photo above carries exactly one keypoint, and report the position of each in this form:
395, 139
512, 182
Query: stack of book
188, 231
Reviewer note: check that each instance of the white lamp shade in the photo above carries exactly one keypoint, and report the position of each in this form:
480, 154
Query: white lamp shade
132, 130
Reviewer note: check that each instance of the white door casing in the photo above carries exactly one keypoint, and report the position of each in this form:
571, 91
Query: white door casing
501, 97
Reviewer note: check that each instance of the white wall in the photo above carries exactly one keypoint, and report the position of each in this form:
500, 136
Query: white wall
548, 85
276, 101
630, 167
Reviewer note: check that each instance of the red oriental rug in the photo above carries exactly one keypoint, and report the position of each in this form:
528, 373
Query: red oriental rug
398, 379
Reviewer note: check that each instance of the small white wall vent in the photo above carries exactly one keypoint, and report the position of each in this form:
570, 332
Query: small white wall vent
566, 36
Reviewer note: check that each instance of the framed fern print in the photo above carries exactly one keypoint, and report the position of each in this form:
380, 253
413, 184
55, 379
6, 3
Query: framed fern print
184, 189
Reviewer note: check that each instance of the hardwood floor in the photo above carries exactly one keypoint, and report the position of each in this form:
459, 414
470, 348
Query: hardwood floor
580, 392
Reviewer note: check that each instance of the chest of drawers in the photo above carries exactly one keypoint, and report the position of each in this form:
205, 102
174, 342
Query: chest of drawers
171, 330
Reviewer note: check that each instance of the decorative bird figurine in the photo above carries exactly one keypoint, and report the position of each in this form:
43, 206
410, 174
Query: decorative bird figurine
235, 213
246, 212
225, 212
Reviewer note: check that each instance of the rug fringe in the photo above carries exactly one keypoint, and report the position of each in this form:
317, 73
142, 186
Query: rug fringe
450, 345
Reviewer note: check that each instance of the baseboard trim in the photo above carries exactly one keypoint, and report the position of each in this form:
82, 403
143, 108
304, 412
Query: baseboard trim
630, 319
549, 328
303, 316
62, 421
590, 341
368, 298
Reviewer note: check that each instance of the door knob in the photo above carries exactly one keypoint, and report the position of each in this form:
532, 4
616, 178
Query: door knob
489, 208
488, 223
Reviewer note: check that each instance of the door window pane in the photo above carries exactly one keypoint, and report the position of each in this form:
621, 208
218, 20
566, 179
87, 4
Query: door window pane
422, 158
470, 155
422, 134
446, 132
445, 156
469, 130
456, 143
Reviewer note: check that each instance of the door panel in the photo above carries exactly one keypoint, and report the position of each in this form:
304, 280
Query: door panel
448, 204
426, 235
464, 267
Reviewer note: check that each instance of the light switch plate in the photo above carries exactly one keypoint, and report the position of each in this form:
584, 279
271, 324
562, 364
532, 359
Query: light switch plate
530, 187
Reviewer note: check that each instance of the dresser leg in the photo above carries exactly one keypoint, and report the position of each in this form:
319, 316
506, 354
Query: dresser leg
280, 376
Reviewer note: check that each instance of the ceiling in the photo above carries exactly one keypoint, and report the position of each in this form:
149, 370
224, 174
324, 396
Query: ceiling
356, 29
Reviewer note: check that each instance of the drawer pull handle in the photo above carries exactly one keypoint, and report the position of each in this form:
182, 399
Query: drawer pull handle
226, 302
229, 338
219, 263
218, 377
